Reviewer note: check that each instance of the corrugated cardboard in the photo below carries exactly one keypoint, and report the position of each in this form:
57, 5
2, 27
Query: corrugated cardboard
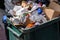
50, 13
55, 6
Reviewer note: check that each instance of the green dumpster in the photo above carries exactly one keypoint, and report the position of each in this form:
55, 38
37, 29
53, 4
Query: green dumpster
45, 31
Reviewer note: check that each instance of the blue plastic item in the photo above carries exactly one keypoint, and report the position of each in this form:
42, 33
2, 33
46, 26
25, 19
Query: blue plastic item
4, 19
39, 11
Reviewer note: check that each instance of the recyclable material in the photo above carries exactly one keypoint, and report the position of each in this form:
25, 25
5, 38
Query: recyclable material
39, 10
55, 6
38, 18
29, 16
8, 5
4, 19
37, 23
50, 13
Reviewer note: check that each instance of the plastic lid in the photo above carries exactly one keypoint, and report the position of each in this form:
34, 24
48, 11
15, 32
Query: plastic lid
4, 17
39, 10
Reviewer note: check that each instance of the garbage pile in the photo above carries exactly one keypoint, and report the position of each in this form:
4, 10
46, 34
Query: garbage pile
29, 14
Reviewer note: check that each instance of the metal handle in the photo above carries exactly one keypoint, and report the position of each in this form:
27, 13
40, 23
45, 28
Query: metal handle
18, 35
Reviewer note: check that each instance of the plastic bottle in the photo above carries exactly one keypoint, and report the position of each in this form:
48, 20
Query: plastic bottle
4, 19
39, 10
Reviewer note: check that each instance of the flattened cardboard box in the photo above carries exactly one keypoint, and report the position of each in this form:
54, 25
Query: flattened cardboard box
50, 13
55, 6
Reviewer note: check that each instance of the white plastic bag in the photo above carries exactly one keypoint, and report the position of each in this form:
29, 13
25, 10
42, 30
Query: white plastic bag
38, 18
16, 8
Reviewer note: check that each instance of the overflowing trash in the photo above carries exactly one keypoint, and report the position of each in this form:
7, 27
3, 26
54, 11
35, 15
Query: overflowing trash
29, 13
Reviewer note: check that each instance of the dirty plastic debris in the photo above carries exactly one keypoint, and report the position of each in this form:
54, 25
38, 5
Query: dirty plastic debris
38, 18
29, 18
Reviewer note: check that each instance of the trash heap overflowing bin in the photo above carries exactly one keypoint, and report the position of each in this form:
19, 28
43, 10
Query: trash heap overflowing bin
34, 22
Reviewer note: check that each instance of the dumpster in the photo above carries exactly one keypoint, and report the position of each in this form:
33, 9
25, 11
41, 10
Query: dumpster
45, 31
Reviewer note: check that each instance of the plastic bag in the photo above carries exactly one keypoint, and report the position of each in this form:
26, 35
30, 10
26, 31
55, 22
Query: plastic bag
38, 18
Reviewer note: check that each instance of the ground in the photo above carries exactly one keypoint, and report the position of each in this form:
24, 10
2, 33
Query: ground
2, 30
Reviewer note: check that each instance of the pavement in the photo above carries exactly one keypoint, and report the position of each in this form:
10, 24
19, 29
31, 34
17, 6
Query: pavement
2, 30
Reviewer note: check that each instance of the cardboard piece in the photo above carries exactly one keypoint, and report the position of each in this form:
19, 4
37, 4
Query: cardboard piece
55, 6
50, 13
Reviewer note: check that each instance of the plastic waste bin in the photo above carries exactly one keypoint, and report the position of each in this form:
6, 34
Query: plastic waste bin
45, 31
